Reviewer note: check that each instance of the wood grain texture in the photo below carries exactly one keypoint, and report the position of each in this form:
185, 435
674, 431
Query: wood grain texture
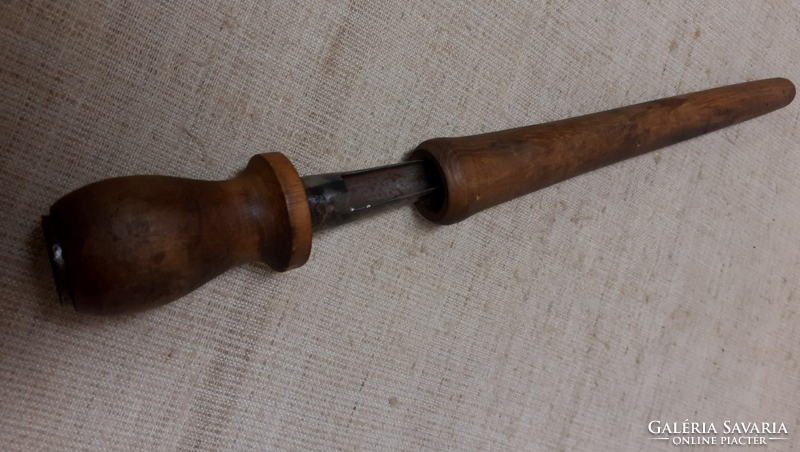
133, 243
482, 171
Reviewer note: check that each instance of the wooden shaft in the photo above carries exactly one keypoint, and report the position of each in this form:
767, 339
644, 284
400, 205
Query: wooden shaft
131, 243
482, 171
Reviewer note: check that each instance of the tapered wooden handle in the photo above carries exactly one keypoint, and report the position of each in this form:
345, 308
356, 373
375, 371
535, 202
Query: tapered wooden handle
131, 243
482, 171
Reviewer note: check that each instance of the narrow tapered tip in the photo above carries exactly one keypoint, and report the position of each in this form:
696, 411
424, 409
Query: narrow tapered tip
791, 90
786, 88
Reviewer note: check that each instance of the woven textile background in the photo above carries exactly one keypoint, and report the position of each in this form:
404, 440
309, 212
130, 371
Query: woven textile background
666, 287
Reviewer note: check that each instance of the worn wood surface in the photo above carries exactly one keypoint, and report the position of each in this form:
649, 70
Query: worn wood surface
482, 171
133, 243
128, 244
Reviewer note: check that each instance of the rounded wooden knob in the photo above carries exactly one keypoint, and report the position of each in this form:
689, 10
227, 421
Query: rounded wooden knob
131, 243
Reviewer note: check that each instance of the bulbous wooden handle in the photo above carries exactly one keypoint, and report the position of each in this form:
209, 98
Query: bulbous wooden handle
482, 171
131, 243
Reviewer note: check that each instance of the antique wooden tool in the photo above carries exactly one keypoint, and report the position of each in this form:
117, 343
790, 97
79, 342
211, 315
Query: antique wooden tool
131, 243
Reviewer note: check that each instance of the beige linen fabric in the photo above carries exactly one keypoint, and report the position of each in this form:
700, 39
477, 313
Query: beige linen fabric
662, 288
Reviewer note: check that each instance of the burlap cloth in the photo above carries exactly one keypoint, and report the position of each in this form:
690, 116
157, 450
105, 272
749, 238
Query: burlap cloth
665, 287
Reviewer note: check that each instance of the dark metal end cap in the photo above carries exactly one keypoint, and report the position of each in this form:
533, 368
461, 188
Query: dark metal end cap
57, 262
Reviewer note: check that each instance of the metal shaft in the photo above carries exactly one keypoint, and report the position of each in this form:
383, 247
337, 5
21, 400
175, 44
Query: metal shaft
339, 198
